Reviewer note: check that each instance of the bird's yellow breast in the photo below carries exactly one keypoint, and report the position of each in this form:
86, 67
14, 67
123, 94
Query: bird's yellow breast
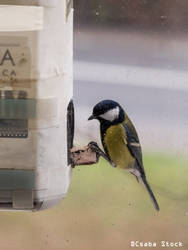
116, 144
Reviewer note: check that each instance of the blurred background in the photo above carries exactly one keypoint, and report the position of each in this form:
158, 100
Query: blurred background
135, 52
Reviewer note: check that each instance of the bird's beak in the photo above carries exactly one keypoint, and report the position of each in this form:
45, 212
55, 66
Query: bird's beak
91, 117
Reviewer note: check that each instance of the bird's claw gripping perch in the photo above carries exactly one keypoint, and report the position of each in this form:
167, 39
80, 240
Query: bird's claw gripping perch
94, 146
88, 155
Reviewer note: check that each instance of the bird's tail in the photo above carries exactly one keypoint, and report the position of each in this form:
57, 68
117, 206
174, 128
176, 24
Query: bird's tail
154, 201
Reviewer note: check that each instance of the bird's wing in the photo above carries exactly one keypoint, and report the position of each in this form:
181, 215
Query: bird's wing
134, 146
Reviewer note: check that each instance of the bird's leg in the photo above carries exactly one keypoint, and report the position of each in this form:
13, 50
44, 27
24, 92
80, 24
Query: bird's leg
94, 146
136, 173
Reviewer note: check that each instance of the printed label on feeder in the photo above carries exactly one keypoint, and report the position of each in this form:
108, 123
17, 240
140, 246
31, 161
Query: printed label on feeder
15, 61
13, 128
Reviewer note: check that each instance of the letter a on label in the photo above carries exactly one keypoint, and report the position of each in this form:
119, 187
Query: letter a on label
7, 56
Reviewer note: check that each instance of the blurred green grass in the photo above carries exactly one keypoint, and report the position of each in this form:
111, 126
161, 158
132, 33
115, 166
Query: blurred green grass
106, 208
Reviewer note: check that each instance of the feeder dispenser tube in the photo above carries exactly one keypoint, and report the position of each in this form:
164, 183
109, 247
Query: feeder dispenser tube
36, 88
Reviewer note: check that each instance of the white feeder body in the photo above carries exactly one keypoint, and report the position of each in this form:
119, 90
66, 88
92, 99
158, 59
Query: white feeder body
36, 85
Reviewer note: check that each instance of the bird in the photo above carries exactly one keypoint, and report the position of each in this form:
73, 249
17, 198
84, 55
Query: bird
120, 141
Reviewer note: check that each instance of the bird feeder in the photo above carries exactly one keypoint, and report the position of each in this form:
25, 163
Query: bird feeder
36, 111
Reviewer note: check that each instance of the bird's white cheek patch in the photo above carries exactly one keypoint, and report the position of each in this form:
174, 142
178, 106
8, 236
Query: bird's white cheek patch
111, 115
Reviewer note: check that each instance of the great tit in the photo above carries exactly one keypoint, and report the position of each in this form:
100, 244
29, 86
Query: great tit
120, 141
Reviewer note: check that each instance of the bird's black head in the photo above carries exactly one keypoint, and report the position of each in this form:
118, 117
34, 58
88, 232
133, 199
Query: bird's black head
108, 111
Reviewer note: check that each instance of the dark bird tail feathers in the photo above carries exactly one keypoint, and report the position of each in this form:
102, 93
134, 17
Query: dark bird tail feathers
152, 197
